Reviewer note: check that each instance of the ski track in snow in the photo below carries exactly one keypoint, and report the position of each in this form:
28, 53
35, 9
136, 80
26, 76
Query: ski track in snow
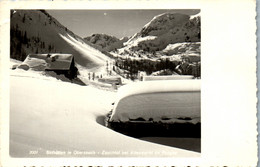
47, 115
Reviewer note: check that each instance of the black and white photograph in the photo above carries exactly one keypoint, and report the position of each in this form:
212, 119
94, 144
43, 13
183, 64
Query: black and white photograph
128, 83
105, 83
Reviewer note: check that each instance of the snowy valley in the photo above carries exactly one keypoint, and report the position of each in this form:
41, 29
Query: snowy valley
47, 114
66, 119
167, 45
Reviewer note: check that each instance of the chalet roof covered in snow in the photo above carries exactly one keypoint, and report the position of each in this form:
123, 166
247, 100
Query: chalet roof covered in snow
167, 77
49, 61
158, 86
166, 101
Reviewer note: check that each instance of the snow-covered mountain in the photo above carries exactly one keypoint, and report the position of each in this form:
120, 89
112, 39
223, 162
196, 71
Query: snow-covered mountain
157, 38
36, 31
106, 42
161, 44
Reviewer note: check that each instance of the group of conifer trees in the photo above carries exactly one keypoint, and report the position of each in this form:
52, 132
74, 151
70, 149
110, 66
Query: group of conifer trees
21, 44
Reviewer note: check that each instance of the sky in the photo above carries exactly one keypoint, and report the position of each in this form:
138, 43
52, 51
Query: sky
118, 23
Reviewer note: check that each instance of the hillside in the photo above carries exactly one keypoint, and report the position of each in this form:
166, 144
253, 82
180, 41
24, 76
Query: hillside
169, 28
105, 42
35, 31
160, 33
168, 44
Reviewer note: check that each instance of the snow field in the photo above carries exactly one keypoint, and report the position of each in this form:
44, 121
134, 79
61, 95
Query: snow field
90, 53
47, 116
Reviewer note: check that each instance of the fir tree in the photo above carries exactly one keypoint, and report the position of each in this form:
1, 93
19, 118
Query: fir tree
23, 20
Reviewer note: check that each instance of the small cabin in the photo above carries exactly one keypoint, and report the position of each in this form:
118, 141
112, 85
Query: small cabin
56, 62
114, 80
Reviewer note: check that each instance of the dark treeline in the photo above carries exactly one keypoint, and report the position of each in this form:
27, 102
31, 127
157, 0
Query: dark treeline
21, 44
132, 67
18, 39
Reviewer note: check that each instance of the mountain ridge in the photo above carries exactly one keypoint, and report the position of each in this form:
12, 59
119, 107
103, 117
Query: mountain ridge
105, 42
36, 31
163, 30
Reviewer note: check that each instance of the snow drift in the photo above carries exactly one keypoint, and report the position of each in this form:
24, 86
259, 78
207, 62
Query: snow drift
165, 101
54, 117
167, 77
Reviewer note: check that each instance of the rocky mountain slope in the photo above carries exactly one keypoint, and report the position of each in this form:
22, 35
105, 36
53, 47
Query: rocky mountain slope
157, 38
36, 31
105, 42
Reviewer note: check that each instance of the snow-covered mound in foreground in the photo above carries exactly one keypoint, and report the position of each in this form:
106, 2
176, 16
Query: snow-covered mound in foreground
55, 117
169, 101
